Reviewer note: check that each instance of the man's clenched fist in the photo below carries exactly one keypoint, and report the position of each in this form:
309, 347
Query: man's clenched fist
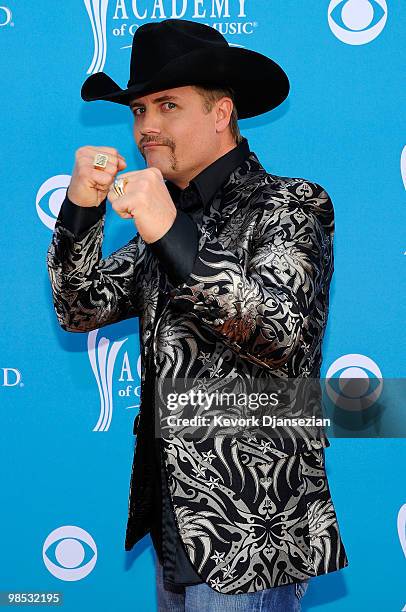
89, 185
148, 201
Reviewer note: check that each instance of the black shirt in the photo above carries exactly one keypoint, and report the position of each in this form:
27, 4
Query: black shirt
176, 251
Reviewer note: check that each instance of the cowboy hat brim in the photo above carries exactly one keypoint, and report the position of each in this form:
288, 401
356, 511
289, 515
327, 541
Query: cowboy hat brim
259, 83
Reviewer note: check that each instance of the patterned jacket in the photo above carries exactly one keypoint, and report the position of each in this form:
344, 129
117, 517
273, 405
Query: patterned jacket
252, 512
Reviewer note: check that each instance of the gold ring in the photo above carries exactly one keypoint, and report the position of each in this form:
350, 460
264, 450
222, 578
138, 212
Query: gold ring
119, 186
100, 161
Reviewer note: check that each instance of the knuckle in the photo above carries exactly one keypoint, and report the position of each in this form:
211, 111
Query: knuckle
81, 162
110, 171
112, 151
142, 183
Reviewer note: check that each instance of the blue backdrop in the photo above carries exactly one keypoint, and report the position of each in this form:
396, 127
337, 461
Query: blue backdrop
68, 400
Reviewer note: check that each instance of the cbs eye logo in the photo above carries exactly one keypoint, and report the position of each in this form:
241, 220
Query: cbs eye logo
5, 16
357, 22
403, 166
69, 553
354, 382
49, 198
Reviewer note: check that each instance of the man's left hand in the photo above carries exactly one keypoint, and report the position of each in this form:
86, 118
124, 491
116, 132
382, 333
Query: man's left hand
147, 200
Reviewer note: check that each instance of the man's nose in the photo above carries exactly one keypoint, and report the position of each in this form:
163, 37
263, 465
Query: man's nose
150, 123
150, 129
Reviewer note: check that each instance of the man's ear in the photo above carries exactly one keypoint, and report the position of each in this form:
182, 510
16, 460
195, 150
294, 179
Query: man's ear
224, 108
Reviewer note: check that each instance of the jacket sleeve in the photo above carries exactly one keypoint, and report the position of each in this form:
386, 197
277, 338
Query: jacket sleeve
259, 310
88, 291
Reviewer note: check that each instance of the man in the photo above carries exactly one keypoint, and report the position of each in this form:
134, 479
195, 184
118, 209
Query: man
229, 274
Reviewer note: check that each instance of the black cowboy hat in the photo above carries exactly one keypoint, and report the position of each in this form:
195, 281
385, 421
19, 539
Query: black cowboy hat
178, 52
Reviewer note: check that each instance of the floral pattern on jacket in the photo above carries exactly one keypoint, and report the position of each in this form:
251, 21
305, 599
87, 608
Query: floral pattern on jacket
252, 513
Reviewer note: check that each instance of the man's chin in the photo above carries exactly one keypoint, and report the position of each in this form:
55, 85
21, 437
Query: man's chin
156, 163
152, 152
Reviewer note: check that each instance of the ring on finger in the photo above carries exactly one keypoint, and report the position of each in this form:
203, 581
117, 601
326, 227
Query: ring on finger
100, 161
119, 186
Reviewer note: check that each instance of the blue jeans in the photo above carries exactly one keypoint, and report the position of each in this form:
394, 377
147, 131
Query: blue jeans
202, 598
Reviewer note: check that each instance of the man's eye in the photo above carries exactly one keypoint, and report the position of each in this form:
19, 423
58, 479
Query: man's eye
141, 109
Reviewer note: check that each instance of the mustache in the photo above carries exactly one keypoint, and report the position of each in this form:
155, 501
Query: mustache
145, 141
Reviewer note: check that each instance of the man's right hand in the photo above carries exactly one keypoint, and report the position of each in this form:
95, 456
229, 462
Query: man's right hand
89, 186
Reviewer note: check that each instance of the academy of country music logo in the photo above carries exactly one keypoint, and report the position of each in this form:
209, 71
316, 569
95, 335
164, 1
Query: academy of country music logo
103, 354
357, 22
123, 17
402, 532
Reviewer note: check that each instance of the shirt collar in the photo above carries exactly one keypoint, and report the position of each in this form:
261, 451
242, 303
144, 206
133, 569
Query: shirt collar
211, 178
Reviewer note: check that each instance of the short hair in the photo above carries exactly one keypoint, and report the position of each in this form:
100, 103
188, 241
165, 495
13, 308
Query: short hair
211, 95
